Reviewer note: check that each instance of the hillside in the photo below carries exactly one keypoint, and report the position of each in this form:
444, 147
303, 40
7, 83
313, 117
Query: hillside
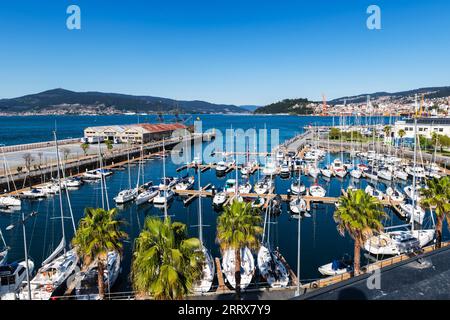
61, 101
291, 106
432, 92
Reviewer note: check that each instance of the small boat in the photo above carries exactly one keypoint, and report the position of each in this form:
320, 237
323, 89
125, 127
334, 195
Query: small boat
395, 194
258, 202
168, 182
276, 205
247, 267
72, 183
230, 186
272, 269
313, 171
220, 198
419, 172
185, 183
270, 168
384, 174
221, 168
317, 191
285, 171
298, 188
326, 172
418, 212
125, 196
34, 194
9, 201
12, 277
245, 188
163, 196
401, 175
338, 168
356, 173
147, 195
263, 186
298, 206
280, 155
96, 174
374, 192
335, 268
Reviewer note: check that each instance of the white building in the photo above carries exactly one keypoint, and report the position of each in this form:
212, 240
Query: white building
425, 127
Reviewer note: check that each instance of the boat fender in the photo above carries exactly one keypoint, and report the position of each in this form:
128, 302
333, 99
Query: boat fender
49, 288
315, 285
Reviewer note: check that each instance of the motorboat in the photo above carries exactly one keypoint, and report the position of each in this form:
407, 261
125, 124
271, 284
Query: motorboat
317, 191
96, 174
419, 172
326, 172
399, 242
384, 174
72, 183
163, 196
356, 173
12, 277
125, 196
400, 175
335, 268
285, 171
247, 268
230, 185
270, 168
34, 194
370, 190
168, 182
338, 168
312, 170
219, 198
9, 201
263, 186
280, 155
147, 195
245, 188
410, 193
272, 268
221, 168
185, 183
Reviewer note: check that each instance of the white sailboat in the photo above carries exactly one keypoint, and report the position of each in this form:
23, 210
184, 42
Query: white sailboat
51, 278
147, 195
129, 194
247, 266
317, 191
208, 271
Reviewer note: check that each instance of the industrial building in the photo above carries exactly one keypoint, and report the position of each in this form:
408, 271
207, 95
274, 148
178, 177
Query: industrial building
133, 133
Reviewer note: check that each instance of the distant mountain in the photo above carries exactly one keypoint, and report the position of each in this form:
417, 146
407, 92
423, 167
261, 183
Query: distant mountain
291, 106
432, 92
250, 108
63, 101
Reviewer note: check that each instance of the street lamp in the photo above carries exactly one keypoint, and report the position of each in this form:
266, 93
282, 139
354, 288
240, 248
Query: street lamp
11, 227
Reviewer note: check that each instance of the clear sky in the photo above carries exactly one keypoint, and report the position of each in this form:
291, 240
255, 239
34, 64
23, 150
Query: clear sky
224, 51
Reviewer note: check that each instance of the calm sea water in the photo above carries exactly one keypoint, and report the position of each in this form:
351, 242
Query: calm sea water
320, 240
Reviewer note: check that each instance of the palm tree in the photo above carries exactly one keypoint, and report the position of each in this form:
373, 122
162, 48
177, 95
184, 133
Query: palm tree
98, 233
401, 134
387, 131
360, 215
85, 148
237, 227
165, 263
437, 196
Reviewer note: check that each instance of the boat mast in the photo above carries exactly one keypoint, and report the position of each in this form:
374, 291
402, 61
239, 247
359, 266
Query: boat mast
165, 185
414, 167
60, 193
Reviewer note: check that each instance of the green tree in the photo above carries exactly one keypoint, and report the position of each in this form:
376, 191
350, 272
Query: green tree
239, 226
387, 131
85, 148
109, 144
335, 133
98, 233
437, 197
165, 263
360, 215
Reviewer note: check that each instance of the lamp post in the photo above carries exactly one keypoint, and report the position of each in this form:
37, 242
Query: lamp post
297, 292
11, 227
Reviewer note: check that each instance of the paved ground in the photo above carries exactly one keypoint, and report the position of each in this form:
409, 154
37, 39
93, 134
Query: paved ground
424, 278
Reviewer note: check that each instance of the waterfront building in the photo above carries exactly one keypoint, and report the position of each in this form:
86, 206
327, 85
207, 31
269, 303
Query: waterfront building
133, 133
425, 127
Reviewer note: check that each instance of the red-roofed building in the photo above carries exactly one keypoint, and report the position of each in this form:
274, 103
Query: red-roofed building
134, 133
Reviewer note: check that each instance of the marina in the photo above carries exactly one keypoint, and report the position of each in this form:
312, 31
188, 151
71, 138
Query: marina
318, 226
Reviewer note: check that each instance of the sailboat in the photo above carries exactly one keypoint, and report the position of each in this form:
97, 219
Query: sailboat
129, 194
269, 264
402, 241
51, 278
165, 193
9, 201
208, 270
247, 266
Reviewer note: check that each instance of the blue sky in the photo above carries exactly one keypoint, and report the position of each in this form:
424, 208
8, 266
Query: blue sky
224, 51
